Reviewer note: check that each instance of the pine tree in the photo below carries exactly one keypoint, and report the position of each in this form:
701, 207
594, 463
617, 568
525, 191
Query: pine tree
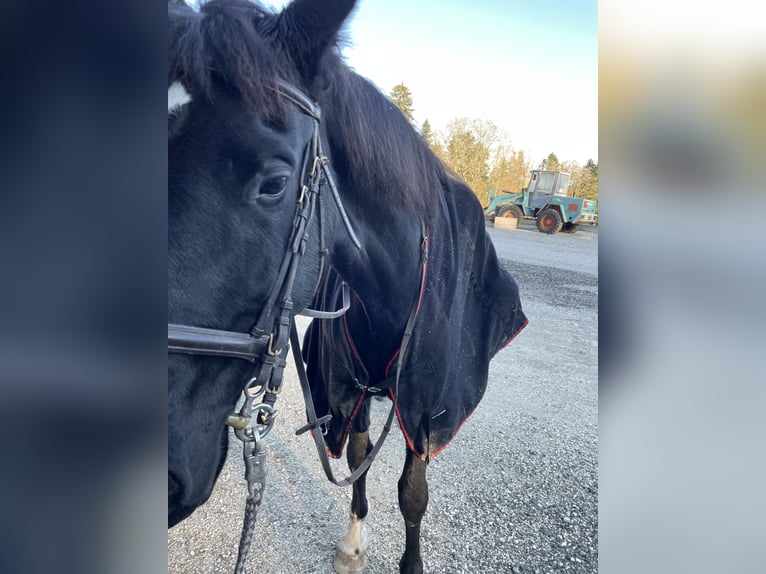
551, 163
593, 167
427, 133
401, 97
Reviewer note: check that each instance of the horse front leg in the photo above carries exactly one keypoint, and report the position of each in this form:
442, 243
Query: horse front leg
413, 500
351, 554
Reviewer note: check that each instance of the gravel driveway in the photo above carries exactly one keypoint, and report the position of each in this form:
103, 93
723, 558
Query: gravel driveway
516, 491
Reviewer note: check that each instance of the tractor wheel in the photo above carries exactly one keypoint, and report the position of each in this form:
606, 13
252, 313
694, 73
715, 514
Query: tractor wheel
510, 211
549, 221
569, 227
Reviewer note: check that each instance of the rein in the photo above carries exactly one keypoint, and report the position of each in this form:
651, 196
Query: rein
314, 423
267, 345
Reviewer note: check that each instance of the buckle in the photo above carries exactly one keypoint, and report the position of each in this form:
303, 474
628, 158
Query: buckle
270, 351
316, 424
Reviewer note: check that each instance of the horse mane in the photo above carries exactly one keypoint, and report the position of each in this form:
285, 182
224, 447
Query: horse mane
382, 151
233, 42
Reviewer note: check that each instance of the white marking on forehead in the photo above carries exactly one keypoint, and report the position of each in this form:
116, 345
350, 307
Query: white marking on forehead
178, 97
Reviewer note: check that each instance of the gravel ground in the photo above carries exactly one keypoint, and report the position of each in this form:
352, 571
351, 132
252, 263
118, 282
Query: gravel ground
516, 491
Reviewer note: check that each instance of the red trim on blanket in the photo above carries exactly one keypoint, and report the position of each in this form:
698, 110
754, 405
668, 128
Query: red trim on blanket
408, 440
468, 416
423, 277
348, 426
508, 342
391, 362
426, 251
330, 453
344, 436
358, 405
410, 443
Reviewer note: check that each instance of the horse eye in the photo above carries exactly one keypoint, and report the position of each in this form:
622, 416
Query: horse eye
273, 186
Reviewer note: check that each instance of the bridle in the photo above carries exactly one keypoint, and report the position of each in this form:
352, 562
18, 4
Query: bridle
268, 342
262, 344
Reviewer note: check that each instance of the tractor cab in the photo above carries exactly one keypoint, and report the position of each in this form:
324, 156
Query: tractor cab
543, 184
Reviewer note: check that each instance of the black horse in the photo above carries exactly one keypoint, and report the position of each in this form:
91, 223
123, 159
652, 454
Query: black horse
406, 234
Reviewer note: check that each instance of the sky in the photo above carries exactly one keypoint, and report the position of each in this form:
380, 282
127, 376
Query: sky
530, 67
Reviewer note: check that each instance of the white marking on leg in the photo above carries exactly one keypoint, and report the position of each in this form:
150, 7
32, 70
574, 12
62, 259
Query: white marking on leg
178, 97
355, 541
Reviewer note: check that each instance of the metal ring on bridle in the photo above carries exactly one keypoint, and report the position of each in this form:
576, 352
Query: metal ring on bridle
255, 431
253, 389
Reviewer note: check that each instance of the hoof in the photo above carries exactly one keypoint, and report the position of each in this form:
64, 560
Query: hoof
350, 564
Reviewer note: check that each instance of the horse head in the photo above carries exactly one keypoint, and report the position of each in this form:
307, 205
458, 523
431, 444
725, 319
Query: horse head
240, 136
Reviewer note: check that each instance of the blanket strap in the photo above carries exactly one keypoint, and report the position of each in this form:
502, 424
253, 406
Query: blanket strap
314, 423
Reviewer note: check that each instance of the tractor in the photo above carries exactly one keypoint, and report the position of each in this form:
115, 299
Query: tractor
547, 199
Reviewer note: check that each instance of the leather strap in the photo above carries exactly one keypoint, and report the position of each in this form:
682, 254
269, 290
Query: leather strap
189, 340
317, 314
314, 423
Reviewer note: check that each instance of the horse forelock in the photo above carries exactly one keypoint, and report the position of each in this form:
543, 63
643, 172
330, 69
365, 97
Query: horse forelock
228, 44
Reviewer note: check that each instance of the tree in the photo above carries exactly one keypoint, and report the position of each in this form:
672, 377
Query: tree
427, 133
401, 97
592, 166
433, 140
510, 170
590, 189
584, 180
467, 150
551, 163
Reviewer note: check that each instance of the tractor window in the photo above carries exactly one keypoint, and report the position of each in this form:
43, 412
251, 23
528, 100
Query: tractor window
563, 184
545, 183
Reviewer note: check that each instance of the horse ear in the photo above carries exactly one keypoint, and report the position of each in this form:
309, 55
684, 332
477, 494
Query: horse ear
309, 28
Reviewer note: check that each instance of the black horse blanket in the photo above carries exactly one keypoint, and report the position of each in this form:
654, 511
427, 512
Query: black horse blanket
469, 310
